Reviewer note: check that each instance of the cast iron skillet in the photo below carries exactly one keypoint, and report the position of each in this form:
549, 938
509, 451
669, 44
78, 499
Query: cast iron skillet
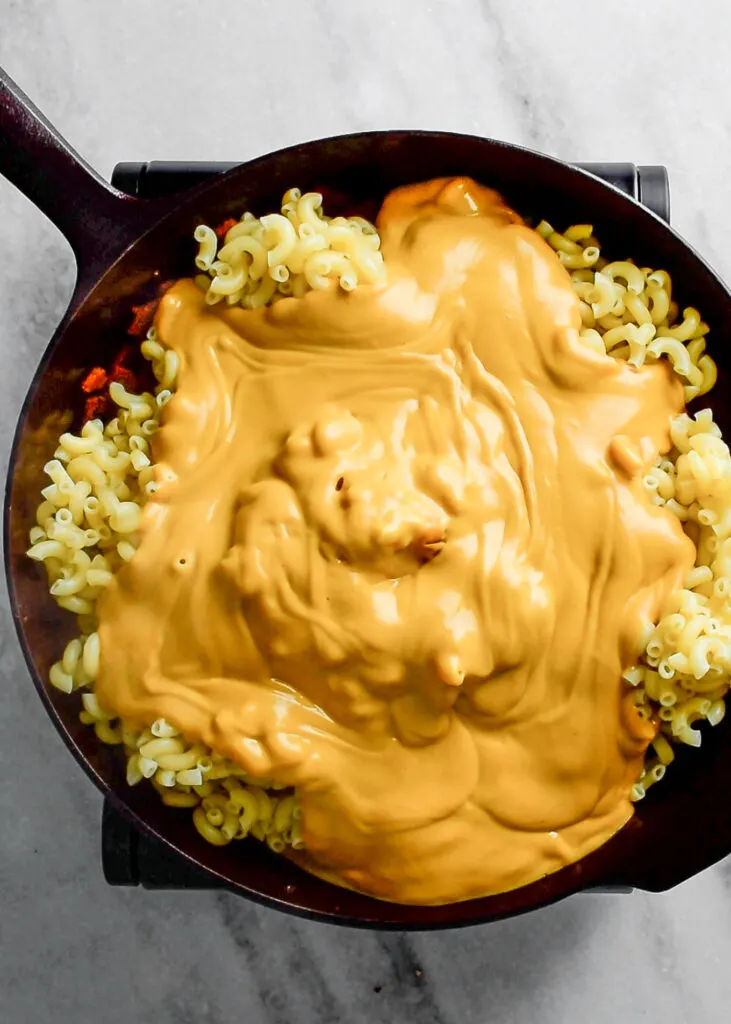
124, 247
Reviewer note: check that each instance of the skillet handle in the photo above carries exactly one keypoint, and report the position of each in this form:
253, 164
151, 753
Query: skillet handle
99, 221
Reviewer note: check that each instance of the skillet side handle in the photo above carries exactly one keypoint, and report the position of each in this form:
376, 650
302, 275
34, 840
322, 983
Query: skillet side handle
99, 221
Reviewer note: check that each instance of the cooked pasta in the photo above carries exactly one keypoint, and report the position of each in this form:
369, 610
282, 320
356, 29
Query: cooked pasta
86, 530
685, 672
631, 308
265, 259
88, 521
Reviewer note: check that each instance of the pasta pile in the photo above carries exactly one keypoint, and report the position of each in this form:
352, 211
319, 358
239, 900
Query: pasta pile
628, 312
686, 668
287, 253
88, 522
86, 530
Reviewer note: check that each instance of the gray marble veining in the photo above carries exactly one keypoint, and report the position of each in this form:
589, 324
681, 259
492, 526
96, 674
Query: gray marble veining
183, 80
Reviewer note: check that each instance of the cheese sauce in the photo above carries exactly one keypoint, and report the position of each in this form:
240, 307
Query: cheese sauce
401, 553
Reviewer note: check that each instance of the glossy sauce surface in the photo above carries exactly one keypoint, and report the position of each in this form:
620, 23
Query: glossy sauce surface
401, 554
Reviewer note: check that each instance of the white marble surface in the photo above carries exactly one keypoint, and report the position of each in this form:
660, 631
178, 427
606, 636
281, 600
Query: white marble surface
175, 79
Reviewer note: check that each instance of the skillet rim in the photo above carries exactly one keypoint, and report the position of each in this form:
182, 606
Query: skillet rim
561, 884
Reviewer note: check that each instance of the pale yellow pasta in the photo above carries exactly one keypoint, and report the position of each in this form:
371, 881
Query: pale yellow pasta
678, 356
108, 733
306, 211
583, 258
208, 243
125, 516
296, 836
663, 749
638, 309
686, 666
83, 445
163, 729
691, 327
594, 340
44, 549
604, 295
716, 712
107, 521
83, 467
283, 814
229, 279
628, 272
156, 749
61, 680
710, 374
244, 803
699, 652
165, 777
210, 833
262, 294
579, 232
93, 707
264, 260
184, 761
174, 798
126, 550
320, 266
559, 242
71, 585
281, 232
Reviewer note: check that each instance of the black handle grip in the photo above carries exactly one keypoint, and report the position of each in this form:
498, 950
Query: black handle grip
159, 178
130, 857
647, 183
654, 189
98, 220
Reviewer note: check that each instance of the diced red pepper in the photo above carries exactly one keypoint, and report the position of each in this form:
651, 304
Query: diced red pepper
95, 380
165, 286
143, 317
125, 354
124, 376
224, 228
96, 407
135, 381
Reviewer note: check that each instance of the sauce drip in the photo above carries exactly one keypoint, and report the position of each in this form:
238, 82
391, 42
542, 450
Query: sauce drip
401, 554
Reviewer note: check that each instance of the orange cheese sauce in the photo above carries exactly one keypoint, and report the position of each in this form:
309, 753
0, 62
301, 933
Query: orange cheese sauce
401, 553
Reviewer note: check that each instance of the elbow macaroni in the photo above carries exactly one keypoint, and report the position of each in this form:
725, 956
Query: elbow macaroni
87, 526
288, 253
632, 308
691, 644
685, 671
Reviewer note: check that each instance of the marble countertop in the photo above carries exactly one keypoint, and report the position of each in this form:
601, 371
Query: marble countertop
175, 79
